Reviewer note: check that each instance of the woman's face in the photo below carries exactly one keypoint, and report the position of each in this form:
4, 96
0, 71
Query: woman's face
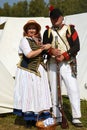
32, 30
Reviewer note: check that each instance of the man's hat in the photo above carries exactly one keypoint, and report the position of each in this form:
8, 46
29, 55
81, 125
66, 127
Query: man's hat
32, 22
55, 13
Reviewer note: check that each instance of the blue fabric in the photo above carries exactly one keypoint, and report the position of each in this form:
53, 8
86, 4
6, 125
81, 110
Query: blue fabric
17, 112
31, 115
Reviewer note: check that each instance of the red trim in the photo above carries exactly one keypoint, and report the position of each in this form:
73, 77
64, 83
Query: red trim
66, 55
74, 36
50, 51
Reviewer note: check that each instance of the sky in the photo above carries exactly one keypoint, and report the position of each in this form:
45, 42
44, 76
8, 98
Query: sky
10, 2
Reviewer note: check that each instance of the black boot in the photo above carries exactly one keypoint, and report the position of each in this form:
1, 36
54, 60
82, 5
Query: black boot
33, 123
28, 124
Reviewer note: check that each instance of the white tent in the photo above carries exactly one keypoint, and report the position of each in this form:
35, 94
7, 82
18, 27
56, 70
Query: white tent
2, 21
9, 42
6, 90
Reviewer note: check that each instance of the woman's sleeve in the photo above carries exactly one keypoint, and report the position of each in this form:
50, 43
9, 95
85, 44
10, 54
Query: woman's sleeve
24, 46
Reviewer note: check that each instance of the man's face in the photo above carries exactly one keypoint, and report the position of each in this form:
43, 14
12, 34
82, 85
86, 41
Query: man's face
57, 21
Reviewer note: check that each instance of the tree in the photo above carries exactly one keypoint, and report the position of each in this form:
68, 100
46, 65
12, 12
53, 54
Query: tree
70, 7
37, 8
20, 9
6, 10
83, 6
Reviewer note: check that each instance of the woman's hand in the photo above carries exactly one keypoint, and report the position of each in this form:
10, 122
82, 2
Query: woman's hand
47, 46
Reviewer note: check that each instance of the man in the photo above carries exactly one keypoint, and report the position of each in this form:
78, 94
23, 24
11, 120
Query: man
67, 40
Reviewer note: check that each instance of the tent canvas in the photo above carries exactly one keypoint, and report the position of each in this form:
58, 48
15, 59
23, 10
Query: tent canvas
9, 42
6, 90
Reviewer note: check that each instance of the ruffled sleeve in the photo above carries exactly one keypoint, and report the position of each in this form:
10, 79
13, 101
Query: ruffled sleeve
24, 47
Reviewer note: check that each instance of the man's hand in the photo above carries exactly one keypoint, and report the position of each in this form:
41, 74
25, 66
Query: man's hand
60, 58
55, 52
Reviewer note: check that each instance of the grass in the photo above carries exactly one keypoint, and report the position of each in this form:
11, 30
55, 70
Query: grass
12, 122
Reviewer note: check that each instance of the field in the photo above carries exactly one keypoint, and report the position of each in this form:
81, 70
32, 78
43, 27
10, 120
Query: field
12, 122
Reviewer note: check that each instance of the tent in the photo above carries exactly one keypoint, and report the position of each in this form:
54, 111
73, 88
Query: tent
6, 90
2, 23
9, 42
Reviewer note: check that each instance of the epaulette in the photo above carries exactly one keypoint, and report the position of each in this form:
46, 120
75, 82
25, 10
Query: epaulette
70, 27
49, 31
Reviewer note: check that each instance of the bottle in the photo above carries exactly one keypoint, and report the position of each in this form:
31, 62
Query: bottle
56, 41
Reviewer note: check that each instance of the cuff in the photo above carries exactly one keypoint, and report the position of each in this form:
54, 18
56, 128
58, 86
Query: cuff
66, 55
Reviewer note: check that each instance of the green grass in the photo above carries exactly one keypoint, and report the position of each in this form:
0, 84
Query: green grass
12, 122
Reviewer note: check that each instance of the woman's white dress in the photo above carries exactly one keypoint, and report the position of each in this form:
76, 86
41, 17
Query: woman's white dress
31, 92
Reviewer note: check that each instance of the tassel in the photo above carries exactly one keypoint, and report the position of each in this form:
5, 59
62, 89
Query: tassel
51, 8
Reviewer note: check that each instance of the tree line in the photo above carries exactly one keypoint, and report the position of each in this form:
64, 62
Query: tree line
39, 8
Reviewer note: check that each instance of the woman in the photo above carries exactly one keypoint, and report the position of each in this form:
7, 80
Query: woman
32, 93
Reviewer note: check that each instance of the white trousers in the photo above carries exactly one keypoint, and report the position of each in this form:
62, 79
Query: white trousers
71, 86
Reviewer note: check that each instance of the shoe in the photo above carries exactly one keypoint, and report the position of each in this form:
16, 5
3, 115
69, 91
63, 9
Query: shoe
28, 124
77, 123
34, 123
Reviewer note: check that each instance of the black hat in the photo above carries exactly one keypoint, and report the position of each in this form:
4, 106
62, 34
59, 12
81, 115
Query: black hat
55, 13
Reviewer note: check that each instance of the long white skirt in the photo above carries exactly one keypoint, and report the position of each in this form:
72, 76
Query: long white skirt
31, 92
